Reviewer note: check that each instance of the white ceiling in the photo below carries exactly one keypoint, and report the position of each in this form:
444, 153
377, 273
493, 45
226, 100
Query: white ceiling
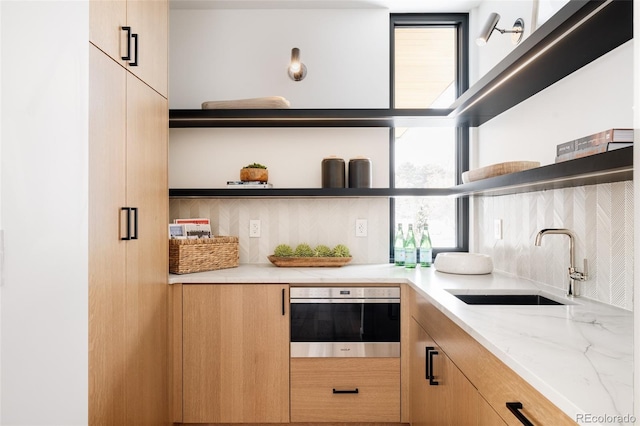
395, 6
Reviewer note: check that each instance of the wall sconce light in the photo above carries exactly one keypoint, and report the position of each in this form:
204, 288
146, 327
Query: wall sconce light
297, 70
516, 32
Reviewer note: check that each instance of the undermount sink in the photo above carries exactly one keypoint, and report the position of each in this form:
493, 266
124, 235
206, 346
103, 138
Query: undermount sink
506, 299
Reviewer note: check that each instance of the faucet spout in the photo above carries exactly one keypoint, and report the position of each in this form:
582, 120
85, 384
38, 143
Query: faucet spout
574, 274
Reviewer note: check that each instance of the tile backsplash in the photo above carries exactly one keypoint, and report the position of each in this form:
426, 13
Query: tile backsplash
600, 216
314, 221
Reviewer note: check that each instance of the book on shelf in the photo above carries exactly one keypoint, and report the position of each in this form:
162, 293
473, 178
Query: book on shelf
196, 220
596, 139
598, 149
248, 184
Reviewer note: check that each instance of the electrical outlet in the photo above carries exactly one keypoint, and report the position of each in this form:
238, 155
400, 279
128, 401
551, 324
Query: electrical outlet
361, 227
497, 229
254, 228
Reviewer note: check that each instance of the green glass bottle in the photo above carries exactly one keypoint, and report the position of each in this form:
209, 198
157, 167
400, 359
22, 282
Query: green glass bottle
426, 250
398, 247
410, 249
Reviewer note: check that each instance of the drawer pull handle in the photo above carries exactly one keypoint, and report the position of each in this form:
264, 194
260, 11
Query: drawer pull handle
515, 408
346, 391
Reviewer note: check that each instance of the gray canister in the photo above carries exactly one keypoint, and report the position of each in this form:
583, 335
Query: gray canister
360, 175
333, 174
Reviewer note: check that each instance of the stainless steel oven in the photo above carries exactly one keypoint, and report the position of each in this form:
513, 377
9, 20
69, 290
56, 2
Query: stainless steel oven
345, 321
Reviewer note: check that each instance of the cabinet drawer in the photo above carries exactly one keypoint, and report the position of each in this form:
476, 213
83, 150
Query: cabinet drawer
323, 389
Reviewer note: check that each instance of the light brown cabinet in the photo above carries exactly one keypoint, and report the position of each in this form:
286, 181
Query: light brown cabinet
487, 416
148, 49
345, 390
496, 383
128, 378
440, 394
234, 353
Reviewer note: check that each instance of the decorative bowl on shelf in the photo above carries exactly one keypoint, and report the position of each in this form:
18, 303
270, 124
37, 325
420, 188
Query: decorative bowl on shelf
300, 262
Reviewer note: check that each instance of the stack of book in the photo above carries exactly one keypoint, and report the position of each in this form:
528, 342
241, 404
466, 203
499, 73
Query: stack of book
247, 184
596, 143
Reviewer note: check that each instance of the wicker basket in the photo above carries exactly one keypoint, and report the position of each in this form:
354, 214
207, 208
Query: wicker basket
209, 254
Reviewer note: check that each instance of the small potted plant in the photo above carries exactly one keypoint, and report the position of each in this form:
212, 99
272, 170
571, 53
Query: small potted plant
254, 173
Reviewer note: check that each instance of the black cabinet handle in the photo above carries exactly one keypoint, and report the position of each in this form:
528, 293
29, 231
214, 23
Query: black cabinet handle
134, 236
346, 391
432, 380
427, 369
128, 224
128, 30
515, 408
135, 50
131, 235
283, 311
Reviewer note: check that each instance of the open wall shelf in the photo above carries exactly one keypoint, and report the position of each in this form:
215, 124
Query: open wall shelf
309, 118
582, 31
579, 33
607, 167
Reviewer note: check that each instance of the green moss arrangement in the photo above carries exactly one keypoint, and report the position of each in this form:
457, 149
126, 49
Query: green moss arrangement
255, 166
283, 250
341, 251
303, 250
322, 251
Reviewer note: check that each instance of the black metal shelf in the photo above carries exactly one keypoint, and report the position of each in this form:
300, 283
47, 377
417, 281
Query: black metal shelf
582, 31
608, 167
309, 192
613, 166
382, 117
579, 33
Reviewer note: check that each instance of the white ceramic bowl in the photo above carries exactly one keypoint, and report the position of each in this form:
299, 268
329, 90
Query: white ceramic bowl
463, 263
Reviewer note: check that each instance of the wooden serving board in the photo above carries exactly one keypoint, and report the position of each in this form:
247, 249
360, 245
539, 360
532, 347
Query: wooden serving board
300, 262
498, 170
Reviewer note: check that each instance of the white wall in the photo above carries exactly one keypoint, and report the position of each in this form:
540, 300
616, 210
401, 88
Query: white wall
596, 97
636, 187
234, 54
44, 195
293, 156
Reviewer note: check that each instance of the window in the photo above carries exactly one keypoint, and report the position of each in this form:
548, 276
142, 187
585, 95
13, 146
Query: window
429, 70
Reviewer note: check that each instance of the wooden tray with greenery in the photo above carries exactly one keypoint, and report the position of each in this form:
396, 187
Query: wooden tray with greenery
300, 262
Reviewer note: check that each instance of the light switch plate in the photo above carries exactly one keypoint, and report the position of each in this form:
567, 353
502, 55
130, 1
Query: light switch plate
361, 228
497, 229
254, 228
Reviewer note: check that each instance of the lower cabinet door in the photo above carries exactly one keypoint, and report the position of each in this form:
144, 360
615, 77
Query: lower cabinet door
235, 353
345, 390
487, 415
440, 394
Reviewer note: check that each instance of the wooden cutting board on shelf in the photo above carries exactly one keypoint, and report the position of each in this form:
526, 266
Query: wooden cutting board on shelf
498, 170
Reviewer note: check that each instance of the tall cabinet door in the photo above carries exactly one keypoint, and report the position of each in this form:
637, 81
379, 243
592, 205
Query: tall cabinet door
235, 354
106, 17
147, 254
149, 23
107, 252
149, 20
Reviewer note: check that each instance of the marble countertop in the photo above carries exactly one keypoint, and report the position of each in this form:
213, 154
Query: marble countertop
580, 355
